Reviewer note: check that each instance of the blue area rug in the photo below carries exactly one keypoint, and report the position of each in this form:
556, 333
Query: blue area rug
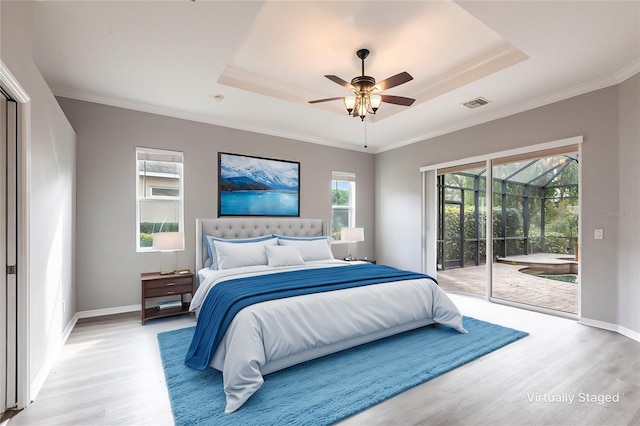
328, 389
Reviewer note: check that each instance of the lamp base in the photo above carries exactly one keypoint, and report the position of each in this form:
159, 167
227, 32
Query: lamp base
169, 259
353, 254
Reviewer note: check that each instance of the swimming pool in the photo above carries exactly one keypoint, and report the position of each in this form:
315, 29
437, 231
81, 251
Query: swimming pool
566, 278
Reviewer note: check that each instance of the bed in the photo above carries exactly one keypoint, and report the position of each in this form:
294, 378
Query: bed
323, 305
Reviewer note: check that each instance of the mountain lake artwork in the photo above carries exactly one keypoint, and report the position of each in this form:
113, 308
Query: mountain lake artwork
254, 186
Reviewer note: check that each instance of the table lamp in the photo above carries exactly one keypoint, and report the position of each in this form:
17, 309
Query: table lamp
167, 243
353, 236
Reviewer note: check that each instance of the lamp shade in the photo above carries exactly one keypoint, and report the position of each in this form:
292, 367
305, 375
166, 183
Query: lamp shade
352, 234
376, 100
168, 241
349, 103
362, 107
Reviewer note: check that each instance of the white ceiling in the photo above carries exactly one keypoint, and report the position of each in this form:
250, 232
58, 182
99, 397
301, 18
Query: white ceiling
268, 60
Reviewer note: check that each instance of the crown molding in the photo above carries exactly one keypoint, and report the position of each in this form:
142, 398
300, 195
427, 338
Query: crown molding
618, 77
174, 113
628, 71
551, 98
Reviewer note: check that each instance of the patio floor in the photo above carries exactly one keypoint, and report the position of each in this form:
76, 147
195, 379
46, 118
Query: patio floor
511, 284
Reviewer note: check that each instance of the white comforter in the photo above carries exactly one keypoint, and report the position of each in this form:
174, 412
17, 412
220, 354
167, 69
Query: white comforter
262, 337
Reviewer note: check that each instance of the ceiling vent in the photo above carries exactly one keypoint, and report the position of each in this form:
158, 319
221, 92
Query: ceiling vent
475, 103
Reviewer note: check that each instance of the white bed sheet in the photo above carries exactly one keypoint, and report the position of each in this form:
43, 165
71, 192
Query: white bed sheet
264, 334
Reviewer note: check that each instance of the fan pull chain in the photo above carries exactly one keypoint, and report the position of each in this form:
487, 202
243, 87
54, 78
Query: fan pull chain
365, 134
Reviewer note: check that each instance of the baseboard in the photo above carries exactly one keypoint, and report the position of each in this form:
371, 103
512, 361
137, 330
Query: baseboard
611, 327
629, 333
108, 311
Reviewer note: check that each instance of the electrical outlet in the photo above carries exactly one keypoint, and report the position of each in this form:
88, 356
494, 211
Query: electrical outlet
597, 234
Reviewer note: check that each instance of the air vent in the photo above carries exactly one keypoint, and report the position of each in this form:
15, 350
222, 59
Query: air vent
475, 103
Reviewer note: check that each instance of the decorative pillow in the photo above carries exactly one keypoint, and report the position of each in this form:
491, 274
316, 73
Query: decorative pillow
212, 251
283, 256
232, 255
317, 249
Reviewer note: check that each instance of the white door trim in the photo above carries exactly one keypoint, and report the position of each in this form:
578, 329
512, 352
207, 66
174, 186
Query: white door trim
5, 342
15, 90
575, 140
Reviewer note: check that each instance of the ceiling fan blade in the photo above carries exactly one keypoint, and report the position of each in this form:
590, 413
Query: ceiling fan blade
340, 81
325, 100
394, 81
398, 100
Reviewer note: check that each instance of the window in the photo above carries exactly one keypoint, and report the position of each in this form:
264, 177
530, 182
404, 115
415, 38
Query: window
158, 194
343, 202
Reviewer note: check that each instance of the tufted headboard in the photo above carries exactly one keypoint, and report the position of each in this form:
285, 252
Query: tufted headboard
232, 228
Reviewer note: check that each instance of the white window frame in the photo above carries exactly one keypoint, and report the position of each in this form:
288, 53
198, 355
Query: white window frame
351, 179
152, 154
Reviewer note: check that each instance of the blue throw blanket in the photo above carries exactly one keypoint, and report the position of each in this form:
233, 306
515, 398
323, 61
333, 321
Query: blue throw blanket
227, 298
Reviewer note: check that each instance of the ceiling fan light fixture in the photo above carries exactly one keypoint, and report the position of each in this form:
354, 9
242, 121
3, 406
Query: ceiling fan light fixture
375, 100
349, 103
362, 108
365, 100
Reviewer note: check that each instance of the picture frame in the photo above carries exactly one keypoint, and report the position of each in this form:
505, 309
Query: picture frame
257, 186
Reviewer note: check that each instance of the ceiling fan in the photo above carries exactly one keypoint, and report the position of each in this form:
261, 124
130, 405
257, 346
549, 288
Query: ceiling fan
365, 99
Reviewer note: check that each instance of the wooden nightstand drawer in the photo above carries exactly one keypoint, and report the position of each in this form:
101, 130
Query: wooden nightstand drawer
168, 290
168, 282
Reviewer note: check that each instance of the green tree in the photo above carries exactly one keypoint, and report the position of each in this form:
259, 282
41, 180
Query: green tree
339, 197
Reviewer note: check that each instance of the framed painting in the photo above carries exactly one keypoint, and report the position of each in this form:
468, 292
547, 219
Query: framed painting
256, 186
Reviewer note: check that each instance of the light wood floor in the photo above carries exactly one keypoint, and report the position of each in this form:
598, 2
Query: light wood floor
109, 372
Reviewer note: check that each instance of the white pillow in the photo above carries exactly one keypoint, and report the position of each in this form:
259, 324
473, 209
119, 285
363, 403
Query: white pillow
283, 256
230, 255
310, 250
212, 250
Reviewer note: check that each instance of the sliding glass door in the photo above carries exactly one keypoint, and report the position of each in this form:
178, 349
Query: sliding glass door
533, 222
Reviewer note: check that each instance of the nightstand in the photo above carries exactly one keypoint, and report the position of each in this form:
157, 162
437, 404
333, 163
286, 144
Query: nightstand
156, 285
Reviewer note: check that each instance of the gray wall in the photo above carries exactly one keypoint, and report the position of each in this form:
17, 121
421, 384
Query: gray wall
108, 267
629, 205
593, 115
51, 196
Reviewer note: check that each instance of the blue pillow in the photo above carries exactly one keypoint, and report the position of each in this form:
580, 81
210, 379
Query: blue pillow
212, 251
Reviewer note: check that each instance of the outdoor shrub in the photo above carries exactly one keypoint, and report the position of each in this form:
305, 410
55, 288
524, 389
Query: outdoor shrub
514, 222
147, 229
556, 242
153, 227
452, 230
146, 240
